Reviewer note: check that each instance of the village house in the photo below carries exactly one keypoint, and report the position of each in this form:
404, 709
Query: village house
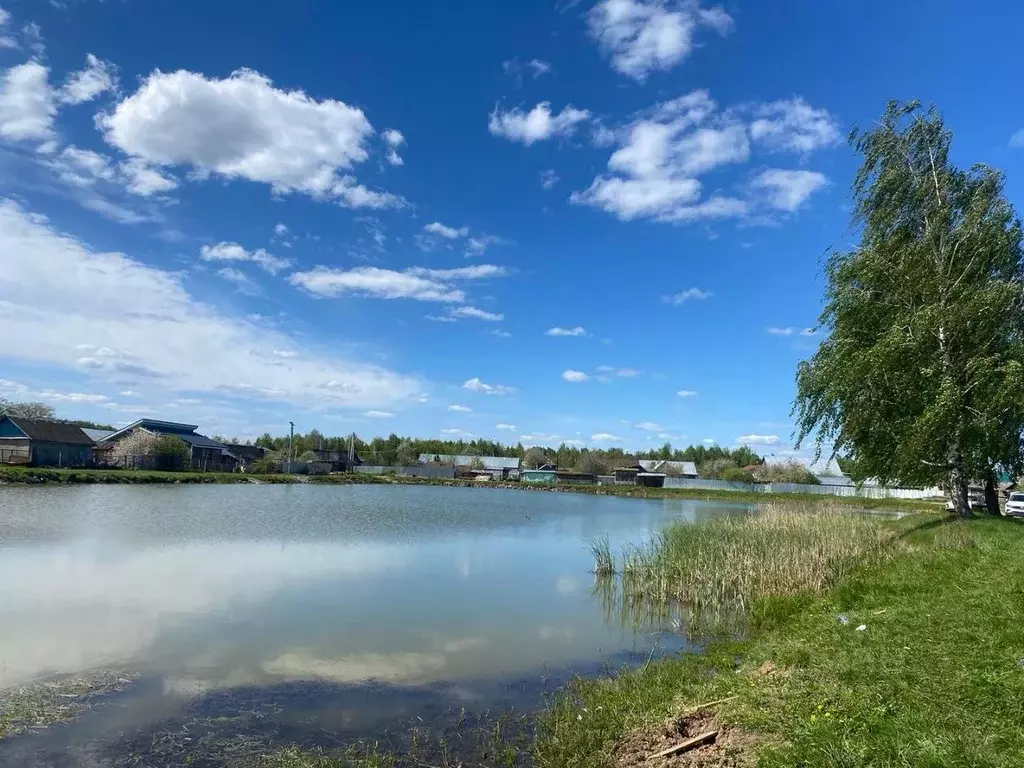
43, 443
497, 467
205, 454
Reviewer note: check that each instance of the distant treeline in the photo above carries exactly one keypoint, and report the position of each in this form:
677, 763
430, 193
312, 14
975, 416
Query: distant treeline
396, 450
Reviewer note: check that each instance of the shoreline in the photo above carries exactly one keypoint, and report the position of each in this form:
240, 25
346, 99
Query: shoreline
18, 476
873, 665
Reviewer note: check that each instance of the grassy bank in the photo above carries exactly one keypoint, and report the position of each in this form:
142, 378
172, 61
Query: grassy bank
915, 661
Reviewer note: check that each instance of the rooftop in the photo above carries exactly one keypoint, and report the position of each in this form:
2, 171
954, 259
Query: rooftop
489, 462
50, 431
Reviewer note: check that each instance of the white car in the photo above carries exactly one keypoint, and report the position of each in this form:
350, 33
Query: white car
1015, 505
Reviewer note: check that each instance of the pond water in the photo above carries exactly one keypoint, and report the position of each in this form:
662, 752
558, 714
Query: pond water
410, 596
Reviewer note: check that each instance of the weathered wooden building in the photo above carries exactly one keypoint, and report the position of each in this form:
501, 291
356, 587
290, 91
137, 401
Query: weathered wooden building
43, 443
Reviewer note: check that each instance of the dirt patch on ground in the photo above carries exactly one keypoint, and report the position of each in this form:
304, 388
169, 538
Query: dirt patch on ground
732, 747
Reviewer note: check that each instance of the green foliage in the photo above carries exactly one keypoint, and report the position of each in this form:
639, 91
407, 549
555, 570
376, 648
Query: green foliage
172, 449
921, 378
791, 471
735, 475
266, 466
406, 454
535, 457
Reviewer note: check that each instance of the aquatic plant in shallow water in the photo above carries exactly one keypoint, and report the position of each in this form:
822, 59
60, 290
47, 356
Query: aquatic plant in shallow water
718, 568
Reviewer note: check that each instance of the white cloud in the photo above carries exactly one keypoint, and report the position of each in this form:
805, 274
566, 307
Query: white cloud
280, 229
636, 198
475, 385
234, 252
284, 354
240, 280
654, 170
419, 283
548, 179
56, 294
394, 139
690, 294
1017, 140
622, 373
477, 314
457, 433
574, 376
557, 331
514, 68
242, 127
97, 78
5, 17
763, 440
460, 409
449, 233
539, 67
649, 426
81, 167
686, 393
475, 272
643, 36
375, 282
538, 124
506, 427
539, 437
501, 334
476, 246
379, 415
790, 331
84, 168
794, 125
27, 105
49, 396
144, 180
129, 393
604, 437
788, 190
441, 318
437, 233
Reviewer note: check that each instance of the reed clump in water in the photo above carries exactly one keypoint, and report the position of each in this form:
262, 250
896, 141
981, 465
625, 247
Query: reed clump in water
727, 563
604, 561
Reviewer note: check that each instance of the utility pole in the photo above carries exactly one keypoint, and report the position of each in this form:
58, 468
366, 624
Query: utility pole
351, 450
291, 438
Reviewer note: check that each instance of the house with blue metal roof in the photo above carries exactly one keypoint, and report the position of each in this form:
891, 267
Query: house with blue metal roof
204, 453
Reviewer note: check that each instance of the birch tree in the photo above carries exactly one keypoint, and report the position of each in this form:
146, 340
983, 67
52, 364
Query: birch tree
920, 379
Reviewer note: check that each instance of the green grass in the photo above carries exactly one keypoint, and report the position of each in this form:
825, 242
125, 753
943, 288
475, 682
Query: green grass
936, 678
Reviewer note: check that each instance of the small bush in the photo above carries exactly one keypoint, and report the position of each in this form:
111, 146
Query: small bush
736, 475
266, 467
791, 471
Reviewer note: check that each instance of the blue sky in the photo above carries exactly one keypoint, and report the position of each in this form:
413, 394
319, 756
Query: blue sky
594, 222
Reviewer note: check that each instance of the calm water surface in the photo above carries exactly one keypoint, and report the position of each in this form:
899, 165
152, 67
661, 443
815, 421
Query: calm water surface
463, 592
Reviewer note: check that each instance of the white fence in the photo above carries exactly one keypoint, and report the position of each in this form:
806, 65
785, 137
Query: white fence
423, 470
864, 492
